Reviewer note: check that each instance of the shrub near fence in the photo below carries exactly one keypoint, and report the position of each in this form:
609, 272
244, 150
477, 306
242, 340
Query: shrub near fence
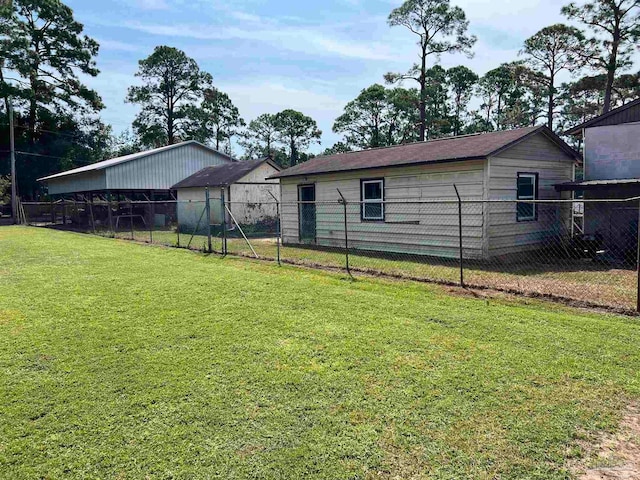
583, 251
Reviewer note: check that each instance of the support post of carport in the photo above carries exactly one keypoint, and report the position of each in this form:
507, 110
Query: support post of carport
110, 213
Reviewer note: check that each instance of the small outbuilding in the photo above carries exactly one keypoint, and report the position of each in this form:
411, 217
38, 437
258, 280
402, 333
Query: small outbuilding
402, 198
611, 172
243, 186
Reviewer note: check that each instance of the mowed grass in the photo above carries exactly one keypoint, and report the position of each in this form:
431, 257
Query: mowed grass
120, 360
579, 280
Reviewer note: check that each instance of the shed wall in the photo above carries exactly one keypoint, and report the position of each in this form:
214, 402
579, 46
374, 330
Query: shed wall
251, 204
506, 235
612, 152
414, 228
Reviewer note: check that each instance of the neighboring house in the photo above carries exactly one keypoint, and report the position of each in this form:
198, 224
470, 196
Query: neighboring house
380, 185
611, 171
244, 187
149, 173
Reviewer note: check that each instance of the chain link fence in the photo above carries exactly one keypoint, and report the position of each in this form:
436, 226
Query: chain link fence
585, 252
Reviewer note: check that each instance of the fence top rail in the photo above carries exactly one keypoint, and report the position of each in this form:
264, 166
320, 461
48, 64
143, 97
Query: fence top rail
631, 201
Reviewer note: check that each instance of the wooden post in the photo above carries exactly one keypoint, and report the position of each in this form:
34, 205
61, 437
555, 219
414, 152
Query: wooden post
93, 220
207, 208
110, 214
460, 236
131, 218
152, 220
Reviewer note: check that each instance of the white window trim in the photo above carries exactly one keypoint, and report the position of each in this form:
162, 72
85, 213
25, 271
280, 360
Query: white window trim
373, 200
533, 177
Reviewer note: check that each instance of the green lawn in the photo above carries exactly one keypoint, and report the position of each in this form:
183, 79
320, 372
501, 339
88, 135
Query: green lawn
120, 360
582, 281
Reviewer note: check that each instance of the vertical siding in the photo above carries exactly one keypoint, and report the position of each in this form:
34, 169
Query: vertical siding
416, 228
162, 170
535, 155
81, 182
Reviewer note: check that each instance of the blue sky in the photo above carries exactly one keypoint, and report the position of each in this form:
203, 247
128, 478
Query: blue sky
313, 56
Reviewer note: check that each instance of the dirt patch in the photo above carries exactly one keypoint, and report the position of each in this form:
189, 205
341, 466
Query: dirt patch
615, 456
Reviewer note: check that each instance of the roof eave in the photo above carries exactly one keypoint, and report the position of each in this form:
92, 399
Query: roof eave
378, 167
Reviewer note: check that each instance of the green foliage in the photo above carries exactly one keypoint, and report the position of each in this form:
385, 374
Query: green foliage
296, 131
440, 28
43, 45
379, 117
552, 50
260, 138
615, 25
217, 119
230, 369
462, 82
338, 147
171, 91
5, 190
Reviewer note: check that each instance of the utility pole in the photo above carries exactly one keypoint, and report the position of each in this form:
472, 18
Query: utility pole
14, 178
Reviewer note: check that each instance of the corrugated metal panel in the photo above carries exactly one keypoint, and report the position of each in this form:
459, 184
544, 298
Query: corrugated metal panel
81, 182
162, 170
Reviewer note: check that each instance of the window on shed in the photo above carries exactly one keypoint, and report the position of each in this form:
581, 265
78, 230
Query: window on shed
372, 193
527, 190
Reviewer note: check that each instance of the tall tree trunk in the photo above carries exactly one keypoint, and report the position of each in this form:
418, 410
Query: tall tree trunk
293, 159
552, 105
611, 74
423, 94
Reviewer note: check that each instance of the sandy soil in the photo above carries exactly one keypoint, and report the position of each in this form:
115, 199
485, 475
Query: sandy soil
615, 457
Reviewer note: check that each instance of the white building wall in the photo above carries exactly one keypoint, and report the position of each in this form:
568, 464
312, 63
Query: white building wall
414, 228
612, 152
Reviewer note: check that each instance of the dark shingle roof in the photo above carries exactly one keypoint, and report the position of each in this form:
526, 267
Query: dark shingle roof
465, 147
628, 113
221, 175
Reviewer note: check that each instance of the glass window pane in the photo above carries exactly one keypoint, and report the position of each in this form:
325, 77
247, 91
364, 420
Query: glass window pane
373, 191
372, 210
525, 211
525, 187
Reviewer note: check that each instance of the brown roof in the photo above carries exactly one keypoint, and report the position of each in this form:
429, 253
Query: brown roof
451, 149
628, 113
221, 175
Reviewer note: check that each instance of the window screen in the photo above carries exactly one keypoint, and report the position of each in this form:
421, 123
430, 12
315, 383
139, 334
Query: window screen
527, 190
372, 199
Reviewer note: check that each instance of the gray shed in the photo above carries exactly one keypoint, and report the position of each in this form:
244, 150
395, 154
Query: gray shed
149, 172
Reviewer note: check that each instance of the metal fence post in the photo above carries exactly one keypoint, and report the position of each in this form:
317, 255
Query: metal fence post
278, 226
460, 253
346, 233
638, 262
207, 208
223, 212
64, 213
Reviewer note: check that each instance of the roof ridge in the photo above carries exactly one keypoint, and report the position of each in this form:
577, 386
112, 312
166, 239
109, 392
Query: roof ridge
433, 140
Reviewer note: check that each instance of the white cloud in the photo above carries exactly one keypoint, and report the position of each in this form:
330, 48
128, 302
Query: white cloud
152, 4
289, 38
